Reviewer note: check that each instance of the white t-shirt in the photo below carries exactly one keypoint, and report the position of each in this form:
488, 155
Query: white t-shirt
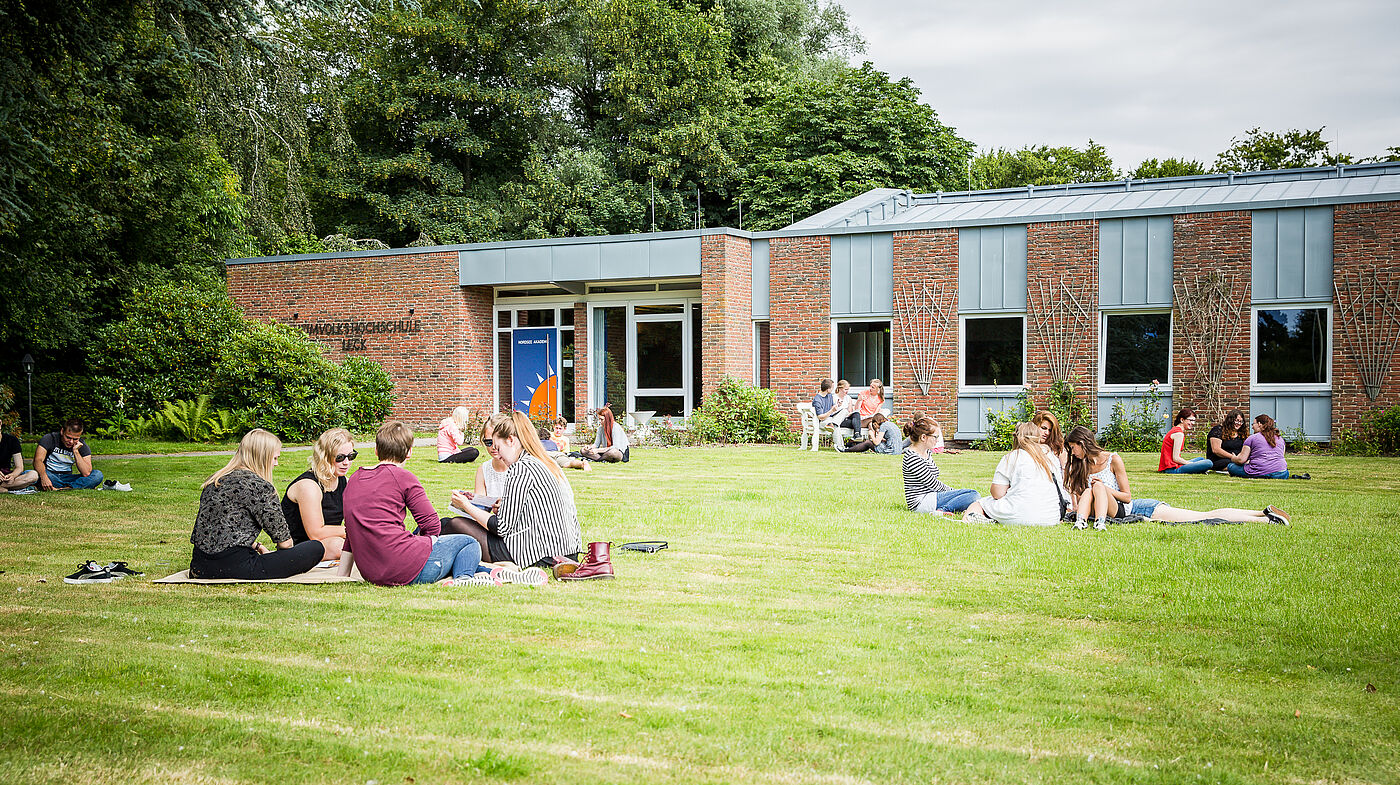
1033, 499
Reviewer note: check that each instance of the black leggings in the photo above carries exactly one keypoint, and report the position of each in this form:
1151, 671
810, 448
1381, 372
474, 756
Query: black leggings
467, 455
247, 564
860, 446
493, 548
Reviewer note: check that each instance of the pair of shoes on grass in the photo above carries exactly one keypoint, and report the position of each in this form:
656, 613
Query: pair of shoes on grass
113, 485
499, 576
92, 572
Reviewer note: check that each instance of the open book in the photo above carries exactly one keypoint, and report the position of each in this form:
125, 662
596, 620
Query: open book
484, 502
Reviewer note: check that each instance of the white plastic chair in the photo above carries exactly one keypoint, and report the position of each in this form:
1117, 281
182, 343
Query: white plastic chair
810, 429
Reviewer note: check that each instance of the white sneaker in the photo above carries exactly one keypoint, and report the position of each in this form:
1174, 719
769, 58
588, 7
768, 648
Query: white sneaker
121, 486
530, 576
1080, 523
976, 517
477, 579
1100, 525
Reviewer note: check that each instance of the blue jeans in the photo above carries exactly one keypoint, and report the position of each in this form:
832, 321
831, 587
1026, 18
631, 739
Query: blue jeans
951, 500
76, 481
1144, 507
1193, 466
1237, 470
453, 556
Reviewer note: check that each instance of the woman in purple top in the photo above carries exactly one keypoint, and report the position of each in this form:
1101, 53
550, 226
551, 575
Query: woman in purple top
1262, 455
375, 538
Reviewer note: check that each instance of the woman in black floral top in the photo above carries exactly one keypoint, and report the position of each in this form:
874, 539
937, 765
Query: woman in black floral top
238, 504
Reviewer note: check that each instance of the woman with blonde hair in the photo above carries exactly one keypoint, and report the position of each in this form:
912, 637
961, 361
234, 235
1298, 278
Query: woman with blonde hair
1025, 488
869, 402
314, 503
452, 438
535, 520
236, 505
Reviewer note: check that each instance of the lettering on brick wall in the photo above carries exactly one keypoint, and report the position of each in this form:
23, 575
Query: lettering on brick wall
352, 335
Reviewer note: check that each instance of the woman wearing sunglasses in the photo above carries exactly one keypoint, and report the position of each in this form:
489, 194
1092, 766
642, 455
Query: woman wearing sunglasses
314, 503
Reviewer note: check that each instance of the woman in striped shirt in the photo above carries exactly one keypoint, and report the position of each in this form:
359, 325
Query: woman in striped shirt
923, 491
535, 519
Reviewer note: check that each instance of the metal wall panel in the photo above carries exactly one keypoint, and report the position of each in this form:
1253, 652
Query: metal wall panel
992, 269
1135, 262
1291, 254
529, 263
485, 266
624, 260
581, 262
759, 280
1130, 404
1310, 411
673, 257
862, 274
972, 412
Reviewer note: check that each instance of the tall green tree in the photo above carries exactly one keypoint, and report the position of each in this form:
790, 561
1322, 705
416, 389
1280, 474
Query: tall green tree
814, 142
1042, 165
1167, 167
1260, 150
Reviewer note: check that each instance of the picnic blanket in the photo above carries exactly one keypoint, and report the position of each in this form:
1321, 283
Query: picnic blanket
315, 575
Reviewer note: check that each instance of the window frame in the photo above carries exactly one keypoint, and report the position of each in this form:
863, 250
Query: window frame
757, 361
1274, 388
984, 389
1163, 385
835, 346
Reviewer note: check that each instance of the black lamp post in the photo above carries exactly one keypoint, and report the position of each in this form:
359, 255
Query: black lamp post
27, 365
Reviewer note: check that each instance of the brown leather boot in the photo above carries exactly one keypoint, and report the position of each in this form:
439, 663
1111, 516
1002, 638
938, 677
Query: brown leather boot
562, 566
598, 564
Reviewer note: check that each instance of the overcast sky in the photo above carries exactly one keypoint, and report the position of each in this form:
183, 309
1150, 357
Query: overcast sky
1146, 80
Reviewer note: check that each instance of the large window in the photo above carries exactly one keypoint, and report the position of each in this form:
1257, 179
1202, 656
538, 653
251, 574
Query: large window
1291, 346
1137, 348
994, 351
863, 352
760, 354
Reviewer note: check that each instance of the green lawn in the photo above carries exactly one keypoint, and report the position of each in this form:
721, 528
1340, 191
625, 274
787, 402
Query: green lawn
803, 628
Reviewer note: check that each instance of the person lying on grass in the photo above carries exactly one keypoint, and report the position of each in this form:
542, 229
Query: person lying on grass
1099, 483
557, 453
376, 499
1025, 488
238, 503
314, 503
923, 491
534, 521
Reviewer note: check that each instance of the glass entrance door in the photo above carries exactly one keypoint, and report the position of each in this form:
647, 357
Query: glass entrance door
642, 358
660, 365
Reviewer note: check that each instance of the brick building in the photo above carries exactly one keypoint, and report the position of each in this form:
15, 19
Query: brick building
1278, 292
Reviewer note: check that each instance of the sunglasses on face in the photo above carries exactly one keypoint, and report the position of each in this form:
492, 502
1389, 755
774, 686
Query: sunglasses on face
352, 455
487, 442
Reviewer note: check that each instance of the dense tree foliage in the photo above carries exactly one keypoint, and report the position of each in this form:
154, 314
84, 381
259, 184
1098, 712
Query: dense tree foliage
1167, 167
1042, 165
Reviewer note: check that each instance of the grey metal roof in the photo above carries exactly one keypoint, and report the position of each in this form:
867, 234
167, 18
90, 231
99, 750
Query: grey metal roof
889, 209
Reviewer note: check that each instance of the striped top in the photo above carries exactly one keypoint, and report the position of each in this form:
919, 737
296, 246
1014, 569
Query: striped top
920, 478
537, 517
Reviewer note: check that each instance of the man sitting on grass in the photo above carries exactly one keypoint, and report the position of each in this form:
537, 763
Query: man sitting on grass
13, 477
64, 462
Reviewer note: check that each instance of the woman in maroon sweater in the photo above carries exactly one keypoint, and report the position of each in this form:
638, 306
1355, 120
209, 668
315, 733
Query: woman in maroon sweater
375, 538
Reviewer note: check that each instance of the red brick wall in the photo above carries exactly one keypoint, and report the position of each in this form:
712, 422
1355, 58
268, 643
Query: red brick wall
581, 367
1365, 237
1060, 255
799, 288
445, 364
927, 256
1202, 243
726, 309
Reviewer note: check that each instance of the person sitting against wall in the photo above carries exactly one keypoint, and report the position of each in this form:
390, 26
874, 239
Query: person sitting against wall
13, 477
534, 521
1262, 456
1224, 442
1170, 461
884, 437
376, 500
1025, 487
1100, 475
64, 461
237, 504
314, 503
870, 401
923, 490
611, 444
451, 440
558, 455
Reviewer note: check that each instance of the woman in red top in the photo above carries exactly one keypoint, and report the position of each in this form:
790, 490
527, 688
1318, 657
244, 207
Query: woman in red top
1171, 461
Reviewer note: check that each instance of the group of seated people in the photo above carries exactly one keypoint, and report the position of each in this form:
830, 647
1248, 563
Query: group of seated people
62, 462
1046, 478
610, 445
1229, 448
530, 520
863, 415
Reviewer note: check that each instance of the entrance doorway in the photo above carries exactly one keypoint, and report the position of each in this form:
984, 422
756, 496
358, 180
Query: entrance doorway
645, 357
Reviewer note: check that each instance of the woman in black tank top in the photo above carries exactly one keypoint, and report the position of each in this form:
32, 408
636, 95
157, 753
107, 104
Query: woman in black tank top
313, 504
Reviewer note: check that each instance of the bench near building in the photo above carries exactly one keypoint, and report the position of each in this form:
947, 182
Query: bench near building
1276, 291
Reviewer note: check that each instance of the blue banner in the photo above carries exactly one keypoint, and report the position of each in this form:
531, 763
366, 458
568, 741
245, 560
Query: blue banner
534, 377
